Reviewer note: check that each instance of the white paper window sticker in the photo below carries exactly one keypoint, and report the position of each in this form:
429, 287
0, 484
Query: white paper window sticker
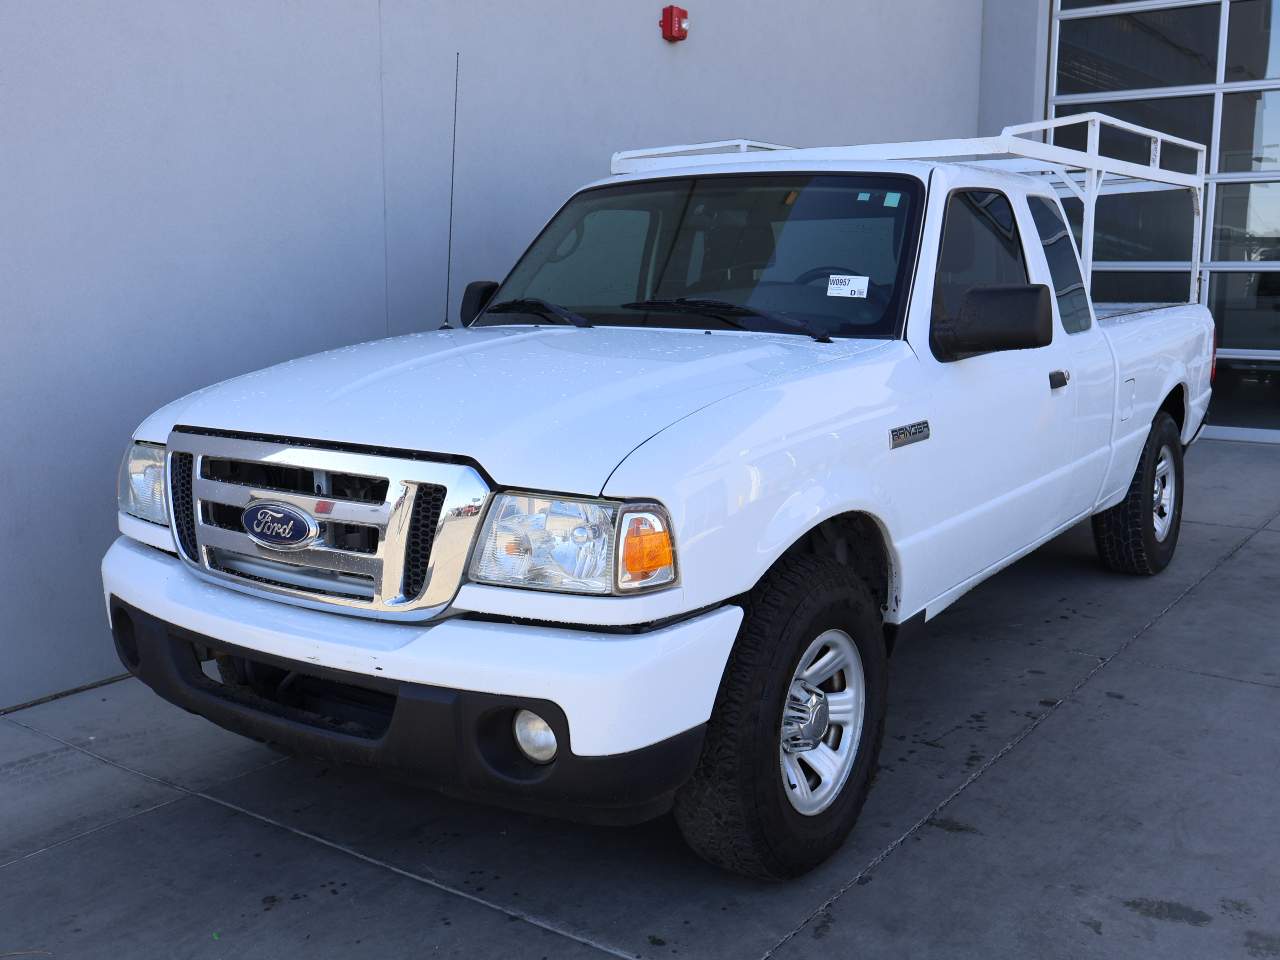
841, 285
891, 199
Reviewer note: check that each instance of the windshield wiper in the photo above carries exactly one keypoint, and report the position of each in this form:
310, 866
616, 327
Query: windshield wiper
706, 308
725, 311
540, 308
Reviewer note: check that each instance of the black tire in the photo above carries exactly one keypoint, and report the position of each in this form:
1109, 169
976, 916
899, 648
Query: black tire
734, 811
1125, 535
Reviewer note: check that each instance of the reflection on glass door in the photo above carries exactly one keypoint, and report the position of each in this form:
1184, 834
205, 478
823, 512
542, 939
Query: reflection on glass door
1209, 72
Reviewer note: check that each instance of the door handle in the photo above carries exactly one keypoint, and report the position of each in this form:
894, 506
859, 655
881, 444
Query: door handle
1059, 379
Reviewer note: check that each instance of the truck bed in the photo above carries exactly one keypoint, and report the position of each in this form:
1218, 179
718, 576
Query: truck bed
1105, 311
1155, 344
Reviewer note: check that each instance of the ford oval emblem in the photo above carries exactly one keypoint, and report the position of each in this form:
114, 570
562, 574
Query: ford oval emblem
279, 526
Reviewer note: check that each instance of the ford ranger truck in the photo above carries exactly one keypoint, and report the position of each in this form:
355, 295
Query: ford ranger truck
641, 534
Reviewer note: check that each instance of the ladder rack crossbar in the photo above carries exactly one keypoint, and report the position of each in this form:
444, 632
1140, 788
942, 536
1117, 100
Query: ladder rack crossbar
1084, 174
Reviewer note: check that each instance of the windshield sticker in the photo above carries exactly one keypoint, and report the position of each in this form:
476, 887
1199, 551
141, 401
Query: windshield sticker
864, 196
839, 285
891, 199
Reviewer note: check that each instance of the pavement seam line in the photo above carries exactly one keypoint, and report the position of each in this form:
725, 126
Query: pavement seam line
1205, 673
90, 832
50, 698
1017, 739
182, 794
528, 918
1225, 526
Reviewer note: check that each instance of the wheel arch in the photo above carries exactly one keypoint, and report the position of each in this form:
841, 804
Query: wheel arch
859, 540
1175, 404
1174, 396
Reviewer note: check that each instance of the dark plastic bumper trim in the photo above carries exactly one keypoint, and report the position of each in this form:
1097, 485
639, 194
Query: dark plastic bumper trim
456, 741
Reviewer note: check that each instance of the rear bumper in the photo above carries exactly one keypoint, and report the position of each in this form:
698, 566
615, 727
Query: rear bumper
628, 710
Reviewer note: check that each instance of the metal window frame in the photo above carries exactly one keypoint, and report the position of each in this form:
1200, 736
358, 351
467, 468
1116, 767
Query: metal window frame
1137, 6
1213, 177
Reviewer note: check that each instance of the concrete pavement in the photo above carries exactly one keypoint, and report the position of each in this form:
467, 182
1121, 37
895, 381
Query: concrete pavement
1077, 764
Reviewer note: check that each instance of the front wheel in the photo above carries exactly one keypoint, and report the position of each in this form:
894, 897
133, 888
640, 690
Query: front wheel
1140, 533
792, 742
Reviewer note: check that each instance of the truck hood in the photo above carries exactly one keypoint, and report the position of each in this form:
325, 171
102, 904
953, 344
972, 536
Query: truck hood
547, 408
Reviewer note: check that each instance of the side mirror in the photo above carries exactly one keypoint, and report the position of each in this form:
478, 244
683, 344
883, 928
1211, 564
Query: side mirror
996, 318
474, 299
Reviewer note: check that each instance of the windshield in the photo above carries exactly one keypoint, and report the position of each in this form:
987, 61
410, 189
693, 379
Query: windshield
822, 255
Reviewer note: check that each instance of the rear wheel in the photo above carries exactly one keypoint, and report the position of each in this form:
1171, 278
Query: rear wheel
792, 743
1140, 534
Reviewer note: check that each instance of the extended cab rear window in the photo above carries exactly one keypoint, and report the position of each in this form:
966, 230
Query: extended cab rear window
828, 254
1064, 267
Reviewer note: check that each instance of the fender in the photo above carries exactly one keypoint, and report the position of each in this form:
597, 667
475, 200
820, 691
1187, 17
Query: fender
1128, 448
811, 507
1151, 355
748, 477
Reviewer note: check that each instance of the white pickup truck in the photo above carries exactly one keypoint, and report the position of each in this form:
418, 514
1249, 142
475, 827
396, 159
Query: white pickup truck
641, 535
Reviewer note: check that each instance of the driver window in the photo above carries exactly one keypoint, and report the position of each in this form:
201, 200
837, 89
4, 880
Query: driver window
980, 248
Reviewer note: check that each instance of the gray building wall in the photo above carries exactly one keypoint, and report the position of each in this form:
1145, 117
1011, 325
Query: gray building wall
1014, 72
190, 191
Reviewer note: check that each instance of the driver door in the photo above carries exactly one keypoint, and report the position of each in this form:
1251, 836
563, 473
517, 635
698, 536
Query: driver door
1000, 432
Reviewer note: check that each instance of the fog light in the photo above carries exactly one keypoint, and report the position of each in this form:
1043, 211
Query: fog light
534, 737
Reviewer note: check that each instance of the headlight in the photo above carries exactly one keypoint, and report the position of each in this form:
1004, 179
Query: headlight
577, 546
141, 488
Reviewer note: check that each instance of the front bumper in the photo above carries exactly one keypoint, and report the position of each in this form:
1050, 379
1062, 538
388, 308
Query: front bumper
628, 709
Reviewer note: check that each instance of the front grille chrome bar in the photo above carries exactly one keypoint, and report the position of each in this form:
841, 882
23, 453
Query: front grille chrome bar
318, 558
241, 495
325, 576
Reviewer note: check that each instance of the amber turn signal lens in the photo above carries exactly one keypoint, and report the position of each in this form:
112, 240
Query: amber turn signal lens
646, 552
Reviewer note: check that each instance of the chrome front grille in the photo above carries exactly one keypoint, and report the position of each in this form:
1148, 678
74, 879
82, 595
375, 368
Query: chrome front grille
395, 531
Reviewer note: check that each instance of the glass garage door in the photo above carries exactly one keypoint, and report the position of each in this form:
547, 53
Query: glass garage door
1210, 72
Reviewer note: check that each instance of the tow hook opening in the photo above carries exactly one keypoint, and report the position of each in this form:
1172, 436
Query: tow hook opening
316, 700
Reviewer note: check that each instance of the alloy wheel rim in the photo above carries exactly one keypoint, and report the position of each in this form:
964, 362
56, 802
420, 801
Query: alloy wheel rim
1164, 494
822, 722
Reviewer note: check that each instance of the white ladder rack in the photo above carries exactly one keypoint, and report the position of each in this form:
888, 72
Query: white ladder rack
1083, 174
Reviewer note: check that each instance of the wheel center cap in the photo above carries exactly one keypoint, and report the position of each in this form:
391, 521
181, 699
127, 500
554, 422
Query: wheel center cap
805, 718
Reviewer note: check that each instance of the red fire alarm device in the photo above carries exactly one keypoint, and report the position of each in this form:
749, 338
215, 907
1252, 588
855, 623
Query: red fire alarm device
674, 23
